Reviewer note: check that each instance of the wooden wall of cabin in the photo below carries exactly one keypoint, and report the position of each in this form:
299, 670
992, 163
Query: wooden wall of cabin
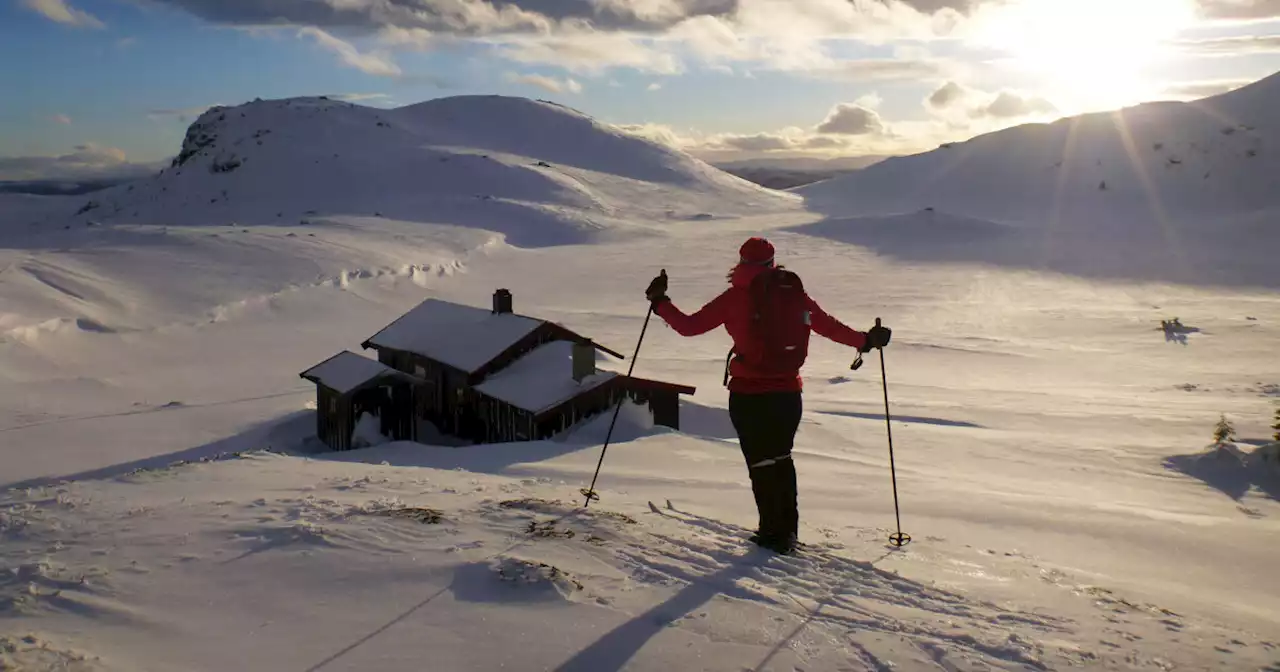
665, 405
586, 405
334, 423
436, 399
500, 422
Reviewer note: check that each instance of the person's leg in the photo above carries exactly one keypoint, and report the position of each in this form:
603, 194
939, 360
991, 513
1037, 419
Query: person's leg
787, 411
773, 465
744, 412
774, 418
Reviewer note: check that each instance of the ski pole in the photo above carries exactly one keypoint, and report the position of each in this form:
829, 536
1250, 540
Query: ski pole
898, 538
590, 493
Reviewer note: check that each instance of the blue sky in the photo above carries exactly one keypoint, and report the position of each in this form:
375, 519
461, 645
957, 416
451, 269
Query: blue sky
110, 83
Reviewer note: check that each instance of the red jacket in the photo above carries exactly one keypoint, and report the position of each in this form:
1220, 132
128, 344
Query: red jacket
733, 309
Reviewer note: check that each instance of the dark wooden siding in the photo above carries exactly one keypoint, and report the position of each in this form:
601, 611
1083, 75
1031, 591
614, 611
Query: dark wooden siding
333, 418
336, 414
665, 405
448, 400
496, 421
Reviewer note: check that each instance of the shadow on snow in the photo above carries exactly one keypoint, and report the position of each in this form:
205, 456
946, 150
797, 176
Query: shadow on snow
1234, 474
280, 433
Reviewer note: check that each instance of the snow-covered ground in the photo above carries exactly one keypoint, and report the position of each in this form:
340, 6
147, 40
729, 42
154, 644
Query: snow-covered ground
164, 508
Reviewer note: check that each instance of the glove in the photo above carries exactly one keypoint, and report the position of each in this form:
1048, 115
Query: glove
657, 291
877, 337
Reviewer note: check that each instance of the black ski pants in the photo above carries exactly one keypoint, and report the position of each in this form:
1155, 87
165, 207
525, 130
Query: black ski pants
766, 424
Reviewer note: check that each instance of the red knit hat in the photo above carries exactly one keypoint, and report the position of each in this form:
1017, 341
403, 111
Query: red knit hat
757, 252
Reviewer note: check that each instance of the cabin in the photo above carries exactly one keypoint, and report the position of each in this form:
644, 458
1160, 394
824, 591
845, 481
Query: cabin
349, 385
480, 375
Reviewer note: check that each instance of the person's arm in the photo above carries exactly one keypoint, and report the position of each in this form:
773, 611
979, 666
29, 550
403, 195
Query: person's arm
829, 327
707, 318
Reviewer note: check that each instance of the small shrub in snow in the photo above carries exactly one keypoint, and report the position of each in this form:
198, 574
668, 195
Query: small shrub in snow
1275, 426
1223, 431
91, 205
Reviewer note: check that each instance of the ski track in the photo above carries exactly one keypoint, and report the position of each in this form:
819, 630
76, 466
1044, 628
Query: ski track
842, 587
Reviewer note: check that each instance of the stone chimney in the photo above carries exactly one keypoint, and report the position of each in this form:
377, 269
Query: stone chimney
502, 301
584, 361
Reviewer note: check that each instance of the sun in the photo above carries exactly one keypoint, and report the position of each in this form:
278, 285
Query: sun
1088, 54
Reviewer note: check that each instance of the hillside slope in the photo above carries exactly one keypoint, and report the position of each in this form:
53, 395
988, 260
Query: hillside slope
1168, 160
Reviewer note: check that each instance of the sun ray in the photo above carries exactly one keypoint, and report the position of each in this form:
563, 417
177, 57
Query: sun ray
1156, 203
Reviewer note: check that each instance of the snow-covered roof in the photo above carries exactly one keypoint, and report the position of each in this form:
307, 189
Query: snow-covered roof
461, 336
541, 379
346, 371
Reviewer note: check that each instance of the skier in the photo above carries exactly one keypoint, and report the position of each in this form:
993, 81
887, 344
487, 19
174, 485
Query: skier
769, 315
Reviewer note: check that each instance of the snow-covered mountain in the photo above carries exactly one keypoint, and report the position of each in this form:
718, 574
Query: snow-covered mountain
1170, 191
465, 159
1212, 157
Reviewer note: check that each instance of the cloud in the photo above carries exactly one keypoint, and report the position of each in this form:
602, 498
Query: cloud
952, 99
870, 100
182, 114
547, 83
359, 97
658, 133
653, 86
126, 42
585, 50
851, 119
61, 119
847, 127
1008, 105
947, 95
595, 35
1240, 10
88, 161
1232, 46
1203, 89
885, 69
486, 16
759, 142
414, 39
464, 17
61, 12
369, 63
